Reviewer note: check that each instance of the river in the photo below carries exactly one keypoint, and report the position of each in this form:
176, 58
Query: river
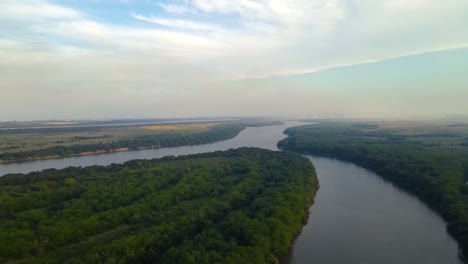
357, 217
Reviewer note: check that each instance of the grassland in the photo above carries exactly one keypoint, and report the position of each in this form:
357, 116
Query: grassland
62, 142
31, 141
36, 140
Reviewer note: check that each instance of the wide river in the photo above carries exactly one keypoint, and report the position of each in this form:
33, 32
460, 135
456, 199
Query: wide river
357, 217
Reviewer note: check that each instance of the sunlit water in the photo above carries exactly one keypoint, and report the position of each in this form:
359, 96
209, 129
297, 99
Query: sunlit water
357, 217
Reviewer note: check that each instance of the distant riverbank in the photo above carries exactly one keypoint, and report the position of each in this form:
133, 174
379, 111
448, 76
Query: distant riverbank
71, 155
204, 135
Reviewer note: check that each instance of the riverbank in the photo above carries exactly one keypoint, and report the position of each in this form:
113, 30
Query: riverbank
71, 155
159, 140
433, 174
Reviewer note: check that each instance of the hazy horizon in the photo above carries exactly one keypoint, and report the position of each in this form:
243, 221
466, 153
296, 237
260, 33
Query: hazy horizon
200, 58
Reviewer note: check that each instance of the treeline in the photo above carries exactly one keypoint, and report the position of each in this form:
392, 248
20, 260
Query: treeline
235, 206
437, 175
216, 133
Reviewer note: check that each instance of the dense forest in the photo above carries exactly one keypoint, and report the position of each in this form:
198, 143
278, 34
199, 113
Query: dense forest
428, 161
236, 206
216, 133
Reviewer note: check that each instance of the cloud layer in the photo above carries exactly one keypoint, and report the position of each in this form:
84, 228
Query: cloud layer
168, 47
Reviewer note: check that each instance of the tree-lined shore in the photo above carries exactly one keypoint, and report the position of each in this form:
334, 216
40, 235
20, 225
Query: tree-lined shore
244, 205
429, 161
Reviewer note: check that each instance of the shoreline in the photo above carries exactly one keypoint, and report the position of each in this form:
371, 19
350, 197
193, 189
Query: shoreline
30, 159
75, 155
285, 258
158, 146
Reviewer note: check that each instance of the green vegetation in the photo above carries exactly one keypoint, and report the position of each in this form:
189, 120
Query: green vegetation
428, 159
131, 138
236, 206
28, 139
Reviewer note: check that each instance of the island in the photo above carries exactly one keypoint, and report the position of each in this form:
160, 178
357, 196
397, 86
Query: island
237, 206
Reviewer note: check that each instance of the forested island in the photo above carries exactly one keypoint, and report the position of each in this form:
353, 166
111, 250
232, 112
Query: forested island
429, 160
154, 137
236, 206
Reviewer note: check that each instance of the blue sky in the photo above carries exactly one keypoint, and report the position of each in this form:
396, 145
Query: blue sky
182, 58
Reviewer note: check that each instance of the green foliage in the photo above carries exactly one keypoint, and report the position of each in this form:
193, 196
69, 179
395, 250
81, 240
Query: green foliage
69, 181
243, 205
436, 173
216, 133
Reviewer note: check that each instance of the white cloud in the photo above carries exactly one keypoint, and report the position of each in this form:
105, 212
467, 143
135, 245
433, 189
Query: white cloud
151, 42
179, 23
34, 10
177, 9
408, 5
221, 6
200, 42
271, 37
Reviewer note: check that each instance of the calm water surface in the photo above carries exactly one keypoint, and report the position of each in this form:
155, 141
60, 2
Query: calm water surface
357, 217
261, 137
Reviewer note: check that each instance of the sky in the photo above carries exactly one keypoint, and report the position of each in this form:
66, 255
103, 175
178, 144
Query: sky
99, 59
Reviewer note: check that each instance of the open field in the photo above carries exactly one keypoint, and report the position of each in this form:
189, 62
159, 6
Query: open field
26, 142
62, 123
430, 135
427, 135
189, 127
35, 141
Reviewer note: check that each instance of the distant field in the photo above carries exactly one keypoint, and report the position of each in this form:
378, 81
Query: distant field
83, 125
41, 140
430, 135
427, 135
35, 141
189, 127
61, 123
